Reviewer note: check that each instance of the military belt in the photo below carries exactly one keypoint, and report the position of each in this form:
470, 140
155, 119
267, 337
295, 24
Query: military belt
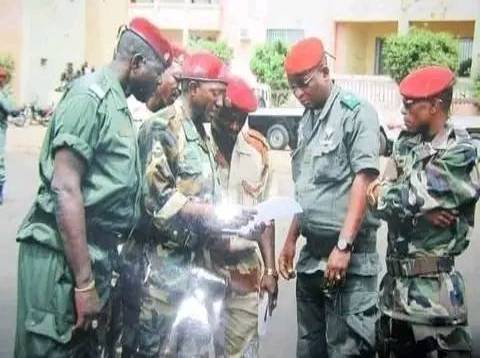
419, 266
322, 245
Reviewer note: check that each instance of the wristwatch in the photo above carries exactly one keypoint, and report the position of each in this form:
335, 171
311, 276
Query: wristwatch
344, 244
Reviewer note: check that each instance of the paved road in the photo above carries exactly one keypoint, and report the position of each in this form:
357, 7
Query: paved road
280, 340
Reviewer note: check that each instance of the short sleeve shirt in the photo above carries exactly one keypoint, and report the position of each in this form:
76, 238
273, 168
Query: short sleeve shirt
94, 122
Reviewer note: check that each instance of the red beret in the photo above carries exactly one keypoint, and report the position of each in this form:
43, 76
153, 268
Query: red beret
152, 36
178, 50
3, 72
304, 55
426, 82
203, 66
241, 95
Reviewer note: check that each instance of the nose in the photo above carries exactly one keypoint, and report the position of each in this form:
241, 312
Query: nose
403, 111
297, 91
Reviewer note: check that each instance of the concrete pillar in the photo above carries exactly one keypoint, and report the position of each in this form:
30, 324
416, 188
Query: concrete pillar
403, 19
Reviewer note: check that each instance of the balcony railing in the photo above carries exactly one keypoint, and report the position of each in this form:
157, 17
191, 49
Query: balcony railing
203, 15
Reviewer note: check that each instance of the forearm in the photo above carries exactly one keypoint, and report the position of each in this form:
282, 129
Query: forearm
293, 231
357, 205
267, 246
70, 213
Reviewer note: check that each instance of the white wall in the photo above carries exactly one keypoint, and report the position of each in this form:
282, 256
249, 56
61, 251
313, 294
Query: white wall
55, 30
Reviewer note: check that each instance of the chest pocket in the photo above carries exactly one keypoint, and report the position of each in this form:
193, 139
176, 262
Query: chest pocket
329, 159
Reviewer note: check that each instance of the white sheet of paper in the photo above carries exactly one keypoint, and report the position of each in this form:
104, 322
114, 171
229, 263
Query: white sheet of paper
263, 316
277, 208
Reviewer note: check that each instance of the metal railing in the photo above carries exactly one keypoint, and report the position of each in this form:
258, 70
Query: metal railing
383, 92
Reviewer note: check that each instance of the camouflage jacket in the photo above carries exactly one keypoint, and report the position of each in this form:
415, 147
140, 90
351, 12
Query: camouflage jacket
442, 173
179, 166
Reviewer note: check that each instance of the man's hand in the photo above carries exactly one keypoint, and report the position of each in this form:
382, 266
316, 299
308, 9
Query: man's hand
208, 219
269, 284
441, 218
285, 260
87, 307
337, 267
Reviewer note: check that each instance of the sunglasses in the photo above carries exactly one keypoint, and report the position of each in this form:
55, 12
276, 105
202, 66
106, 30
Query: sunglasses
303, 82
409, 103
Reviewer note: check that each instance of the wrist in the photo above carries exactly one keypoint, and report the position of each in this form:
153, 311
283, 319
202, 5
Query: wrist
271, 272
84, 280
89, 287
345, 244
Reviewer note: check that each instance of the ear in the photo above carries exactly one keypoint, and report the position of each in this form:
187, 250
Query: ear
137, 61
192, 87
326, 71
435, 107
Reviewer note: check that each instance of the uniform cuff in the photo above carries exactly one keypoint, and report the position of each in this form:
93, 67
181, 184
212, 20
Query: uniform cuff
171, 208
76, 144
365, 165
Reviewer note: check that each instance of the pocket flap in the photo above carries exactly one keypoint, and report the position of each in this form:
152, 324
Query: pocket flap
45, 324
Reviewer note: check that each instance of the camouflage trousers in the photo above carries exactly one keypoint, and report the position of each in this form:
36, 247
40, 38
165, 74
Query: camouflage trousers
397, 339
171, 308
240, 322
336, 323
45, 310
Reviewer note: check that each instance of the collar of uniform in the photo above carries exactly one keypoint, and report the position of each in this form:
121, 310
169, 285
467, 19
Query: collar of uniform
241, 145
191, 132
328, 104
440, 140
115, 85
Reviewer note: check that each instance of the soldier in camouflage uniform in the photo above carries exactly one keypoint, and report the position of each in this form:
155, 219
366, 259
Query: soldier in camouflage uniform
335, 160
429, 206
243, 165
179, 222
87, 204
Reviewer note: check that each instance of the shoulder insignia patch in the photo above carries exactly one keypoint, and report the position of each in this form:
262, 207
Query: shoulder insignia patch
97, 90
350, 101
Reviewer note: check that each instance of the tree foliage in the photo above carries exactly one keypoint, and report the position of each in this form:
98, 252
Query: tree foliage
6, 61
267, 65
219, 48
404, 53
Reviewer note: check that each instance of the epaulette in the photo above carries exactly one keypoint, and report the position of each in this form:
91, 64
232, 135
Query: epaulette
258, 137
350, 101
258, 142
97, 90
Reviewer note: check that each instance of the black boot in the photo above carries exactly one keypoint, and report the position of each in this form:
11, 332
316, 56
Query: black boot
1, 193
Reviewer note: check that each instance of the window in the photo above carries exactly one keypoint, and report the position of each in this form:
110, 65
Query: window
379, 67
465, 48
287, 36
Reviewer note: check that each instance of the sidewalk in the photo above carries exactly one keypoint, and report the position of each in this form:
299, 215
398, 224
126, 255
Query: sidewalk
25, 139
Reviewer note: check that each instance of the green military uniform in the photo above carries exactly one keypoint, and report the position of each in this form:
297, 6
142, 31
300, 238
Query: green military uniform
93, 121
334, 144
179, 166
422, 296
5, 108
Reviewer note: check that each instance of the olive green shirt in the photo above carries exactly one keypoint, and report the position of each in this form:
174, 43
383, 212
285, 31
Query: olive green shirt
334, 144
94, 122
